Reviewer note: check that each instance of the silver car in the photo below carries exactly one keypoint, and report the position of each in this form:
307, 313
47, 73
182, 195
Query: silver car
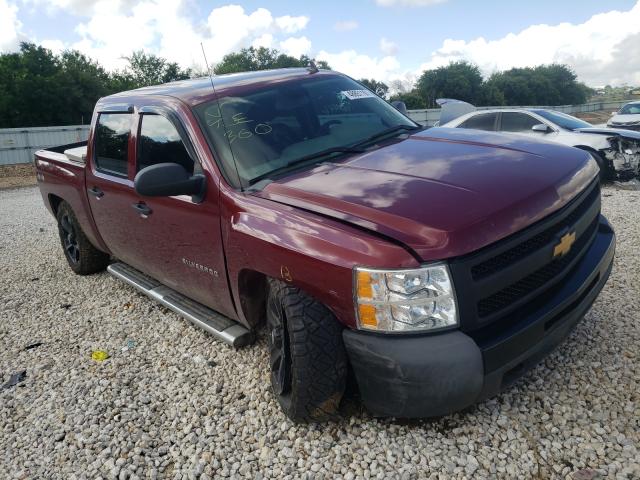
628, 117
617, 151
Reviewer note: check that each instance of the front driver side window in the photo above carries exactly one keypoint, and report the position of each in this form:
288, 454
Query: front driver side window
160, 142
517, 122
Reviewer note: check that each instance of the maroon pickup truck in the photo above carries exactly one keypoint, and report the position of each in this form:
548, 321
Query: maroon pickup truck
433, 266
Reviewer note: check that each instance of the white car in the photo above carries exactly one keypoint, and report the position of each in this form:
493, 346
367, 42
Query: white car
628, 117
616, 151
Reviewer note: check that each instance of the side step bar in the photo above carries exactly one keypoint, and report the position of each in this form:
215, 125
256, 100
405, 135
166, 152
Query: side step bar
209, 320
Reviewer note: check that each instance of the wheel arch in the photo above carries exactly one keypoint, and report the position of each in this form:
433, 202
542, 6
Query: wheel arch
54, 202
608, 164
253, 290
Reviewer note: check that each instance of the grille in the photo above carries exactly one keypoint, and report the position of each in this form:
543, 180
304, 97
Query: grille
538, 278
508, 257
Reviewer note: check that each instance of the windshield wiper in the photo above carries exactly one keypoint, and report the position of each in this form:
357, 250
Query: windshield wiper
385, 132
306, 158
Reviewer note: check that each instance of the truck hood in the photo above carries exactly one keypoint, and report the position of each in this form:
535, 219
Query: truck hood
443, 192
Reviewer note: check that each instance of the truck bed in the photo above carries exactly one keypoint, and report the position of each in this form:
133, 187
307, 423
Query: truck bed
61, 176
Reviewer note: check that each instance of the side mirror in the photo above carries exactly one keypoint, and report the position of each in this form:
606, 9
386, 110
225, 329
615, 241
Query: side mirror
400, 106
613, 114
540, 127
168, 179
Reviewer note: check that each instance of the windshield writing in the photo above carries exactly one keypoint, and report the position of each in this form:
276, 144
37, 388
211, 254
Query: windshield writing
268, 128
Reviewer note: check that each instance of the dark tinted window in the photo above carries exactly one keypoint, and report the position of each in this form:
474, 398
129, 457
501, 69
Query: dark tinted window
161, 143
483, 121
112, 142
517, 122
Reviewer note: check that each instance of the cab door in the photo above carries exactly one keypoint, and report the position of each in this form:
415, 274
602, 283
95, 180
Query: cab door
177, 240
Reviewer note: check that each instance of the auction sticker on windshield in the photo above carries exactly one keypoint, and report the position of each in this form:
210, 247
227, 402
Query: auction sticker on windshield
357, 94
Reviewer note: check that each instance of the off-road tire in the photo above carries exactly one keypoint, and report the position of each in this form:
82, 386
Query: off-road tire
82, 257
314, 354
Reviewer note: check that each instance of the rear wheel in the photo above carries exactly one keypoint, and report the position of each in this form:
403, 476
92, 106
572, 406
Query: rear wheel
307, 357
83, 258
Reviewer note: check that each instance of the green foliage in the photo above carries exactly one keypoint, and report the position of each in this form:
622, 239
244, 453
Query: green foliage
459, 80
379, 88
413, 100
38, 88
251, 59
542, 85
148, 69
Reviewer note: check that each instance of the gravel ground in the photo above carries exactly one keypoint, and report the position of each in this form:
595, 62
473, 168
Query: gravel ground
179, 404
20, 175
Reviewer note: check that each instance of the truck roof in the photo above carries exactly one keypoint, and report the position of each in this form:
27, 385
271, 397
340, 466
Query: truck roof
198, 90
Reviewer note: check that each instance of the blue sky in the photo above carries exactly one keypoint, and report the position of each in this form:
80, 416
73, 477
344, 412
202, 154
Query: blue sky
386, 39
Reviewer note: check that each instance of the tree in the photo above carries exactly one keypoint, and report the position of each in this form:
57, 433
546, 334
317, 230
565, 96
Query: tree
146, 69
459, 80
412, 99
262, 58
542, 85
379, 88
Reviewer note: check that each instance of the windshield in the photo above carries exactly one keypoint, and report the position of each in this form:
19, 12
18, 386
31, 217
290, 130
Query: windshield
562, 119
269, 128
630, 109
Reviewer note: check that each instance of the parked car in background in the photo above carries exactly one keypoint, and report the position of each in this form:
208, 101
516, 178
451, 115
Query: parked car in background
616, 151
436, 265
627, 117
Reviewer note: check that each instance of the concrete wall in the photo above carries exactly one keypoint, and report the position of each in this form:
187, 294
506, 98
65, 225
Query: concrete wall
17, 145
430, 116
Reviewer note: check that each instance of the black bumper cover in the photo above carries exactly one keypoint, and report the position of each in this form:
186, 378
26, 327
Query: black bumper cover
434, 375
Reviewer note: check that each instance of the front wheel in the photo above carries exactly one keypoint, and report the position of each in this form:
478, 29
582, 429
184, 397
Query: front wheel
81, 255
307, 356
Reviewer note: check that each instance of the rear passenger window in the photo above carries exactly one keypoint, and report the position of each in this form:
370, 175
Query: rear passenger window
112, 143
483, 121
161, 143
518, 122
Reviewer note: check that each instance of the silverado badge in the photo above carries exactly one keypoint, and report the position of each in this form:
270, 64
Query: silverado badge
564, 245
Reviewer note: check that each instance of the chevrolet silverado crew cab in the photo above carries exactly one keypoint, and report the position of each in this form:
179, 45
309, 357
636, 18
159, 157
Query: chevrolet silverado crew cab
432, 266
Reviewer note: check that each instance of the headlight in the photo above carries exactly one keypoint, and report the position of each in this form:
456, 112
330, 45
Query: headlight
420, 299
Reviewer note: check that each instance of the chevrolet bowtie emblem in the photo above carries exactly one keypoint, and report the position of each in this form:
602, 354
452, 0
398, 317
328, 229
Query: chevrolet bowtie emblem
564, 245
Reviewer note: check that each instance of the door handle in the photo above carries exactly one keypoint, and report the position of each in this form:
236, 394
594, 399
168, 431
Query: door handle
141, 208
96, 192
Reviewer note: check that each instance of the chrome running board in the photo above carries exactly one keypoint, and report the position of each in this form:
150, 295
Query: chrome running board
209, 320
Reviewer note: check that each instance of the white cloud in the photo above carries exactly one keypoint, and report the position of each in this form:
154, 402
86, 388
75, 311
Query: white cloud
296, 46
9, 27
345, 25
56, 46
604, 49
408, 3
161, 27
388, 47
289, 24
360, 66
264, 40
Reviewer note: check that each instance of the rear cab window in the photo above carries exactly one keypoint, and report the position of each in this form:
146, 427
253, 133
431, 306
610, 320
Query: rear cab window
112, 143
482, 121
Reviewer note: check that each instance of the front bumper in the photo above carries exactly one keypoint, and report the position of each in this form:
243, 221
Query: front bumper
434, 375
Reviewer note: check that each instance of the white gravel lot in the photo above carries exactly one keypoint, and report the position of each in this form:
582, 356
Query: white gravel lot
180, 404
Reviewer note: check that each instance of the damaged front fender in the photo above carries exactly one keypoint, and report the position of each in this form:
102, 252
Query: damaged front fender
623, 152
